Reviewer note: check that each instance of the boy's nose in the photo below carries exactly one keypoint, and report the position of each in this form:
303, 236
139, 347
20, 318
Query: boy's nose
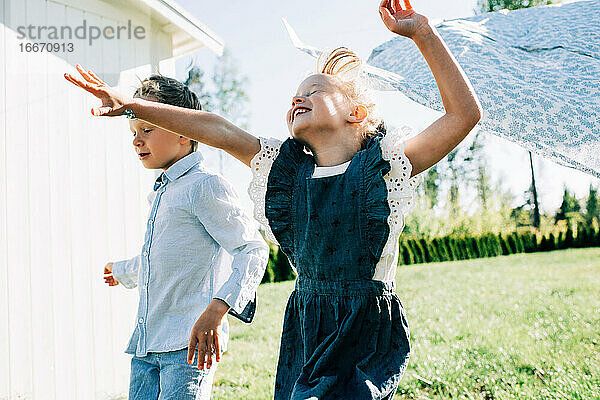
137, 142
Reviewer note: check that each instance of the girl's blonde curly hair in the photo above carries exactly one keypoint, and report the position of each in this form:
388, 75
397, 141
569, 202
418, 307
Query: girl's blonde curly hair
346, 66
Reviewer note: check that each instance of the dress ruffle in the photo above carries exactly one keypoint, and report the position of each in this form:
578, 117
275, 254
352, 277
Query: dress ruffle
400, 187
261, 166
376, 209
282, 180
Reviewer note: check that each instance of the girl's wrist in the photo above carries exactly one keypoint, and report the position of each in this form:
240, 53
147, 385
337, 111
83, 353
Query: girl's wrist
423, 33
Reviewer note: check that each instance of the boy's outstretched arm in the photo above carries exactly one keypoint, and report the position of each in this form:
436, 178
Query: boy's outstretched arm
463, 110
200, 126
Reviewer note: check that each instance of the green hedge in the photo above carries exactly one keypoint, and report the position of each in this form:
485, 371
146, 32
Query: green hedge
278, 268
451, 248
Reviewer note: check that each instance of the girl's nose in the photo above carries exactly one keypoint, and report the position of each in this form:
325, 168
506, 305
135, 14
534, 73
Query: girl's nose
297, 100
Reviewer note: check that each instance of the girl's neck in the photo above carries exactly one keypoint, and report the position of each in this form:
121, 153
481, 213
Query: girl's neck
336, 151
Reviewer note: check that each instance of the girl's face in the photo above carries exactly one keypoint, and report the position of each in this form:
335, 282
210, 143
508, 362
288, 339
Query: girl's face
318, 107
156, 147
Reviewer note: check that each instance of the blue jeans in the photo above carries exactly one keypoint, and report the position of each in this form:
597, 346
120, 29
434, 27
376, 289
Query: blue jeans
168, 376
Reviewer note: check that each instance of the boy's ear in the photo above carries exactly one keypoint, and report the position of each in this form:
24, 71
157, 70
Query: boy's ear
183, 140
359, 114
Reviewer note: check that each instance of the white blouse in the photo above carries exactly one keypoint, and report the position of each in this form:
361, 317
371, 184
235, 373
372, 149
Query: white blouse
401, 189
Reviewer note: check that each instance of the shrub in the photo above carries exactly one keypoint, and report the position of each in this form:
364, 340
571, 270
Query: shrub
426, 250
504, 245
552, 242
442, 250
568, 243
283, 268
406, 254
269, 275
450, 247
519, 246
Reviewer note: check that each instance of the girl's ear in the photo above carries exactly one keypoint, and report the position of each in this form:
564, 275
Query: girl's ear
359, 114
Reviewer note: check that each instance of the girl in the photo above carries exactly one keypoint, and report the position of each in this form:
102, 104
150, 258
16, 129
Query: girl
337, 212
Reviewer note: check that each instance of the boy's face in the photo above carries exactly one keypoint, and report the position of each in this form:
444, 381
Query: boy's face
156, 147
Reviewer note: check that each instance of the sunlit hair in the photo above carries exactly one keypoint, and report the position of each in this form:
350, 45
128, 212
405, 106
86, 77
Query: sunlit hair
162, 89
346, 66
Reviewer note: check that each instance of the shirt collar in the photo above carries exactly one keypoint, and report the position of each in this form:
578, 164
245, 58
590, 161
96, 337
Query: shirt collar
184, 165
179, 168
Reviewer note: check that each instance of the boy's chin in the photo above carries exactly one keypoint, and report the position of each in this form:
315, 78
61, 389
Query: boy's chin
150, 165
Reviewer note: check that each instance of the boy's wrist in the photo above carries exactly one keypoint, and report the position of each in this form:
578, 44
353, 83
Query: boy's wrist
218, 306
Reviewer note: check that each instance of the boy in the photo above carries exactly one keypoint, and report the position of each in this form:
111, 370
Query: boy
185, 269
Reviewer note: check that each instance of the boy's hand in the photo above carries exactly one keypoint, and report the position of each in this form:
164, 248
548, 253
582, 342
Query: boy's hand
404, 22
205, 335
113, 103
108, 276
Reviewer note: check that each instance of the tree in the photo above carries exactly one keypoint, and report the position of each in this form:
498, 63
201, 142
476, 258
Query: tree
457, 173
230, 98
226, 94
196, 82
495, 5
569, 210
533, 199
592, 207
482, 175
431, 184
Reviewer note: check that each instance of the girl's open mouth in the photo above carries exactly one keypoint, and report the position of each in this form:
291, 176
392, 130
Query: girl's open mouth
299, 111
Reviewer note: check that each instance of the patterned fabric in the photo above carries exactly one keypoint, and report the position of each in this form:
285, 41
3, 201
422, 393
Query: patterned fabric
536, 72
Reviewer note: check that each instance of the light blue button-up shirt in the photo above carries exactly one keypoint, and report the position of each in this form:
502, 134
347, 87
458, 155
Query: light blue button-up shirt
200, 244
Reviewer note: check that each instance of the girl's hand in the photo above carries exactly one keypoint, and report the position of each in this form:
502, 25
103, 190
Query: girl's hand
108, 275
404, 22
113, 103
205, 336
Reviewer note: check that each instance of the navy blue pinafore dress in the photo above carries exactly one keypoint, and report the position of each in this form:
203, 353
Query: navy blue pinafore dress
345, 335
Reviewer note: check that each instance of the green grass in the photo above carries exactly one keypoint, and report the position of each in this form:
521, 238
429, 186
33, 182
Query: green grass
525, 326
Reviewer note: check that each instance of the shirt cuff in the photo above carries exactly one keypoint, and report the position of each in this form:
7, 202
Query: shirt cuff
240, 289
119, 271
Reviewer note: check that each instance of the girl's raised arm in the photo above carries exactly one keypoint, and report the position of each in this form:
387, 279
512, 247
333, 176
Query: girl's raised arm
463, 110
200, 126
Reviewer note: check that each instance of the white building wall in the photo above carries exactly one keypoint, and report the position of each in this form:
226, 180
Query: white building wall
72, 198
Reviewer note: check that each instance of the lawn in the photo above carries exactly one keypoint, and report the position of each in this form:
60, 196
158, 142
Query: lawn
525, 326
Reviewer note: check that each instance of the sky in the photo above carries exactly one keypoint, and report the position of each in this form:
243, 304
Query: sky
254, 34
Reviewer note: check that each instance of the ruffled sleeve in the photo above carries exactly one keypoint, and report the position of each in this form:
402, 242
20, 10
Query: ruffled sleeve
400, 186
261, 165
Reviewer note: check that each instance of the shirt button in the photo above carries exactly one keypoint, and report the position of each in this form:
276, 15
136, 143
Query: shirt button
141, 320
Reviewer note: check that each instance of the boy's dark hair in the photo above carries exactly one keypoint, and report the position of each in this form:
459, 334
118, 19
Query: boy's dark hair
167, 90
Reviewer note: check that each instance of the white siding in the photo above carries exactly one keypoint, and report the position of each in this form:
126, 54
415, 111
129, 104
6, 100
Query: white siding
72, 198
